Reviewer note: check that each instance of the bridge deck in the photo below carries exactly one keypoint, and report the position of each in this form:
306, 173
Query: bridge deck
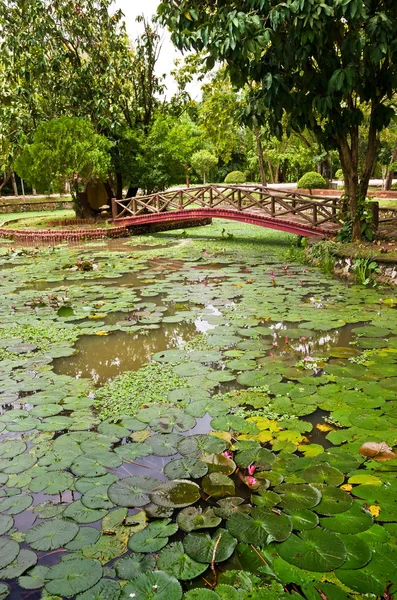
286, 211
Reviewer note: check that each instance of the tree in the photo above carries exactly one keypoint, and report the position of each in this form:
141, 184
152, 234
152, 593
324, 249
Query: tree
65, 150
202, 162
320, 63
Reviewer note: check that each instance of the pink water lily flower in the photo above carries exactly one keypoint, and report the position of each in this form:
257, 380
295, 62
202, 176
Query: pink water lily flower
251, 469
251, 481
227, 454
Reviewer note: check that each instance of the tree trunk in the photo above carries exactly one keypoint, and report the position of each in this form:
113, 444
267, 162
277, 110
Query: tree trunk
349, 160
260, 156
132, 192
14, 184
204, 178
83, 208
109, 190
277, 173
271, 171
119, 186
5, 181
389, 176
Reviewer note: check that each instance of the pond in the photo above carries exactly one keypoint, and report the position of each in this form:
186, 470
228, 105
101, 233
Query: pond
194, 415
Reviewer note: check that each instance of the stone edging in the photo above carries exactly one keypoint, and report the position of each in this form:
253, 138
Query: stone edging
49, 235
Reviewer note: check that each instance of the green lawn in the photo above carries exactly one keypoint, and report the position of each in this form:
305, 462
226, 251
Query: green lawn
59, 214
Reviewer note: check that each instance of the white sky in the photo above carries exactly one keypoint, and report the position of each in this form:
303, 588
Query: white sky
134, 8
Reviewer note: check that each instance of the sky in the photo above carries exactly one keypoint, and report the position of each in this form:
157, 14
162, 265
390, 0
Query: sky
134, 8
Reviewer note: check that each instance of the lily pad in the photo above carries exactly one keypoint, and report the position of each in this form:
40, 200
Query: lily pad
82, 514
132, 491
51, 535
153, 538
183, 468
73, 576
354, 520
105, 589
298, 496
203, 548
195, 446
9, 550
164, 444
323, 473
263, 527
192, 518
314, 550
23, 562
16, 504
175, 494
174, 561
129, 567
217, 485
152, 586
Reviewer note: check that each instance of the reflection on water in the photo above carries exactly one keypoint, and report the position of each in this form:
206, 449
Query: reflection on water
102, 358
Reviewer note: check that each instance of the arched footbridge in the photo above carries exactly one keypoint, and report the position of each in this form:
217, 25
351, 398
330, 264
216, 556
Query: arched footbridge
308, 216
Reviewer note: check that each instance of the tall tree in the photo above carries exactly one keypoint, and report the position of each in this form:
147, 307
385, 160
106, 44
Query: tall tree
319, 62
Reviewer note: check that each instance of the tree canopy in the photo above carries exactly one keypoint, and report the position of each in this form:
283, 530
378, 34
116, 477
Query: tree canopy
320, 63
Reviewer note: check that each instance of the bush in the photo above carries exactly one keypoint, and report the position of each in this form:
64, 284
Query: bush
235, 177
312, 180
339, 174
394, 186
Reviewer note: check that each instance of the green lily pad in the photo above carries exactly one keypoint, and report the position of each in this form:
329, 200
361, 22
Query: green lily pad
16, 504
323, 473
261, 528
82, 514
358, 552
4, 591
174, 561
353, 520
35, 579
175, 494
218, 463
149, 586
192, 518
132, 491
231, 506
23, 562
73, 576
51, 535
164, 444
314, 550
183, 468
11, 448
129, 567
97, 497
203, 548
6, 522
52, 482
259, 456
154, 537
95, 464
298, 496
303, 520
9, 550
195, 446
85, 537
105, 589
217, 485
333, 501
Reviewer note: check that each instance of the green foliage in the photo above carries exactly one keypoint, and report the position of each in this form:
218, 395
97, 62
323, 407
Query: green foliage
126, 393
312, 180
339, 174
300, 75
64, 150
203, 161
323, 254
235, 177
364, 270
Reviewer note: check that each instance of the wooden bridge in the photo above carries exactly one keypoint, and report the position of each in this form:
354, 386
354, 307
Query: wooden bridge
308, 216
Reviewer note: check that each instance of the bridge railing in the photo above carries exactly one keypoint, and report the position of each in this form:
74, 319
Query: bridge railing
313, 210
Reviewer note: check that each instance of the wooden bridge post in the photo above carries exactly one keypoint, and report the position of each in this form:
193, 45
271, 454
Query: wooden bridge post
239, 199
273, 206
114, 208
134, 206
211, 196
293, 205
315, 216
158, 202
334, 205
180, 195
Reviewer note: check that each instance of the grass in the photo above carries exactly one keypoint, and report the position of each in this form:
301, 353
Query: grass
35, 214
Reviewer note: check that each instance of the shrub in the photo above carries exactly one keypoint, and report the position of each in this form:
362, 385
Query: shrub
312, 180
339, 174
235, 177
394, 186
